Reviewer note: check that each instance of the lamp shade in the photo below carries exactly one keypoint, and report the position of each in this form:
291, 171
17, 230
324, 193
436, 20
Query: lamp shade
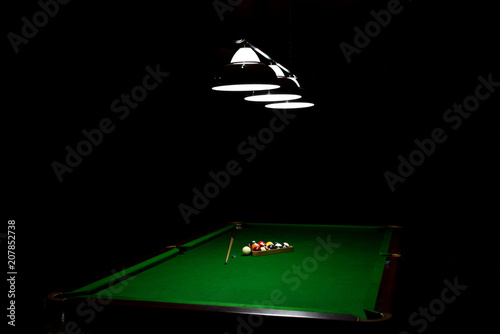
290, 105
246, 77
271, 97
245, 55
278, 71
245, 73
289, 89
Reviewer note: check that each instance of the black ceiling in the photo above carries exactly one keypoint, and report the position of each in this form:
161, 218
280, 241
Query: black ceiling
329, 163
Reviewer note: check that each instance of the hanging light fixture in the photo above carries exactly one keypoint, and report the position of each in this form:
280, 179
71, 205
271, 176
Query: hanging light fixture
246, 73
289, 89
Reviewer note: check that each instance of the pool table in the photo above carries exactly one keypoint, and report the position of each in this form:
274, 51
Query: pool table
334, 272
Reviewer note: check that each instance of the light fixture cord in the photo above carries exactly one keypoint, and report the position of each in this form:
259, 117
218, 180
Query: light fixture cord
290, 33
244, 21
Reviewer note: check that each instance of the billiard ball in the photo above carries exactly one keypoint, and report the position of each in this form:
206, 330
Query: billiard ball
262, 244
270, 246
278, 245
269, 243
246, 250
285, 245
263, 248
255, 247
253, 242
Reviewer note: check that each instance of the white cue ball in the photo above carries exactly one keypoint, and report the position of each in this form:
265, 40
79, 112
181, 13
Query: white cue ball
246, 250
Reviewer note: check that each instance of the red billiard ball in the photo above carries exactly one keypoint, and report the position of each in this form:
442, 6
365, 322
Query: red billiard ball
262, 244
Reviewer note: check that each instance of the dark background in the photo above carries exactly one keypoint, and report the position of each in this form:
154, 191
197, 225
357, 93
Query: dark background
327, 166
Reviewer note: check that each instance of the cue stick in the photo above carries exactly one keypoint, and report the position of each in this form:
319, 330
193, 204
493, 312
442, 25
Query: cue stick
230, 244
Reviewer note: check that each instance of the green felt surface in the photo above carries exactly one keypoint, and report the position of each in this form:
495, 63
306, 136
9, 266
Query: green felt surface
333, 269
